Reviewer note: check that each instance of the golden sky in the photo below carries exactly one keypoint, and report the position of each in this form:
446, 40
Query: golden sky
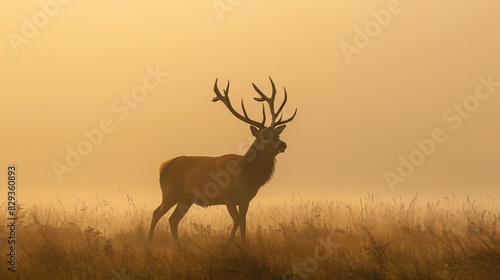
393, 97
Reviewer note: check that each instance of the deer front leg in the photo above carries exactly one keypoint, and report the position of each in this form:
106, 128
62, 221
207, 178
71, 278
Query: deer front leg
231, 208
243, 208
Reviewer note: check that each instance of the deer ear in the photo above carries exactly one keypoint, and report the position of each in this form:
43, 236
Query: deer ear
255, 131
280, 129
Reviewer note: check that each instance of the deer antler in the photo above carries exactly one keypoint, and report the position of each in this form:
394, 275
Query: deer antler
270, 101
225, 99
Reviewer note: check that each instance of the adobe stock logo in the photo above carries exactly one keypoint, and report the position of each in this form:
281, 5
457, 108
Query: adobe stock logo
122, 107
454, 117
31, 26
224, 6
363, 37
311, 264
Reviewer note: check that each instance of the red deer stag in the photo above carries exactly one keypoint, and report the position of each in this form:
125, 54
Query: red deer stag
233, 180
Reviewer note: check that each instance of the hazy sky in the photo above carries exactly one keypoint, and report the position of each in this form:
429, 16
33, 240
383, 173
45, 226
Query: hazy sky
370, 79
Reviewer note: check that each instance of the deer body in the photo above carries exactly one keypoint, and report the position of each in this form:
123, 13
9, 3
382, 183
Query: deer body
231, 180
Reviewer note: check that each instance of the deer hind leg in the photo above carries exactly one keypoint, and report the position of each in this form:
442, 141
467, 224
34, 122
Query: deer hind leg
158, 213
179, 212
231, 208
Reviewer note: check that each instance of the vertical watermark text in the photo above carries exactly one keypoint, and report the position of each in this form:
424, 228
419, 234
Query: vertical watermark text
11, 217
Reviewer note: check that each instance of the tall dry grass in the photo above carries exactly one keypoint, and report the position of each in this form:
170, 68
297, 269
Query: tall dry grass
375, 239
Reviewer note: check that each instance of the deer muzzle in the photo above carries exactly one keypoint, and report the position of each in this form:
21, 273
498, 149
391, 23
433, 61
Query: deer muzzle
280, 147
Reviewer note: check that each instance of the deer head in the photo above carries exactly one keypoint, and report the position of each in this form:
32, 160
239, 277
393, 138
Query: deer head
267, 137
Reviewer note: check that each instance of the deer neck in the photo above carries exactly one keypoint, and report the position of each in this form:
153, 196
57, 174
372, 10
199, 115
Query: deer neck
257, 165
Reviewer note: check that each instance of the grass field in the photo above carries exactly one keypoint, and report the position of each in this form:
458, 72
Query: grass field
375, 239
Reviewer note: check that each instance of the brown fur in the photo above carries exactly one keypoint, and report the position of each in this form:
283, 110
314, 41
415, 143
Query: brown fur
231, 180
